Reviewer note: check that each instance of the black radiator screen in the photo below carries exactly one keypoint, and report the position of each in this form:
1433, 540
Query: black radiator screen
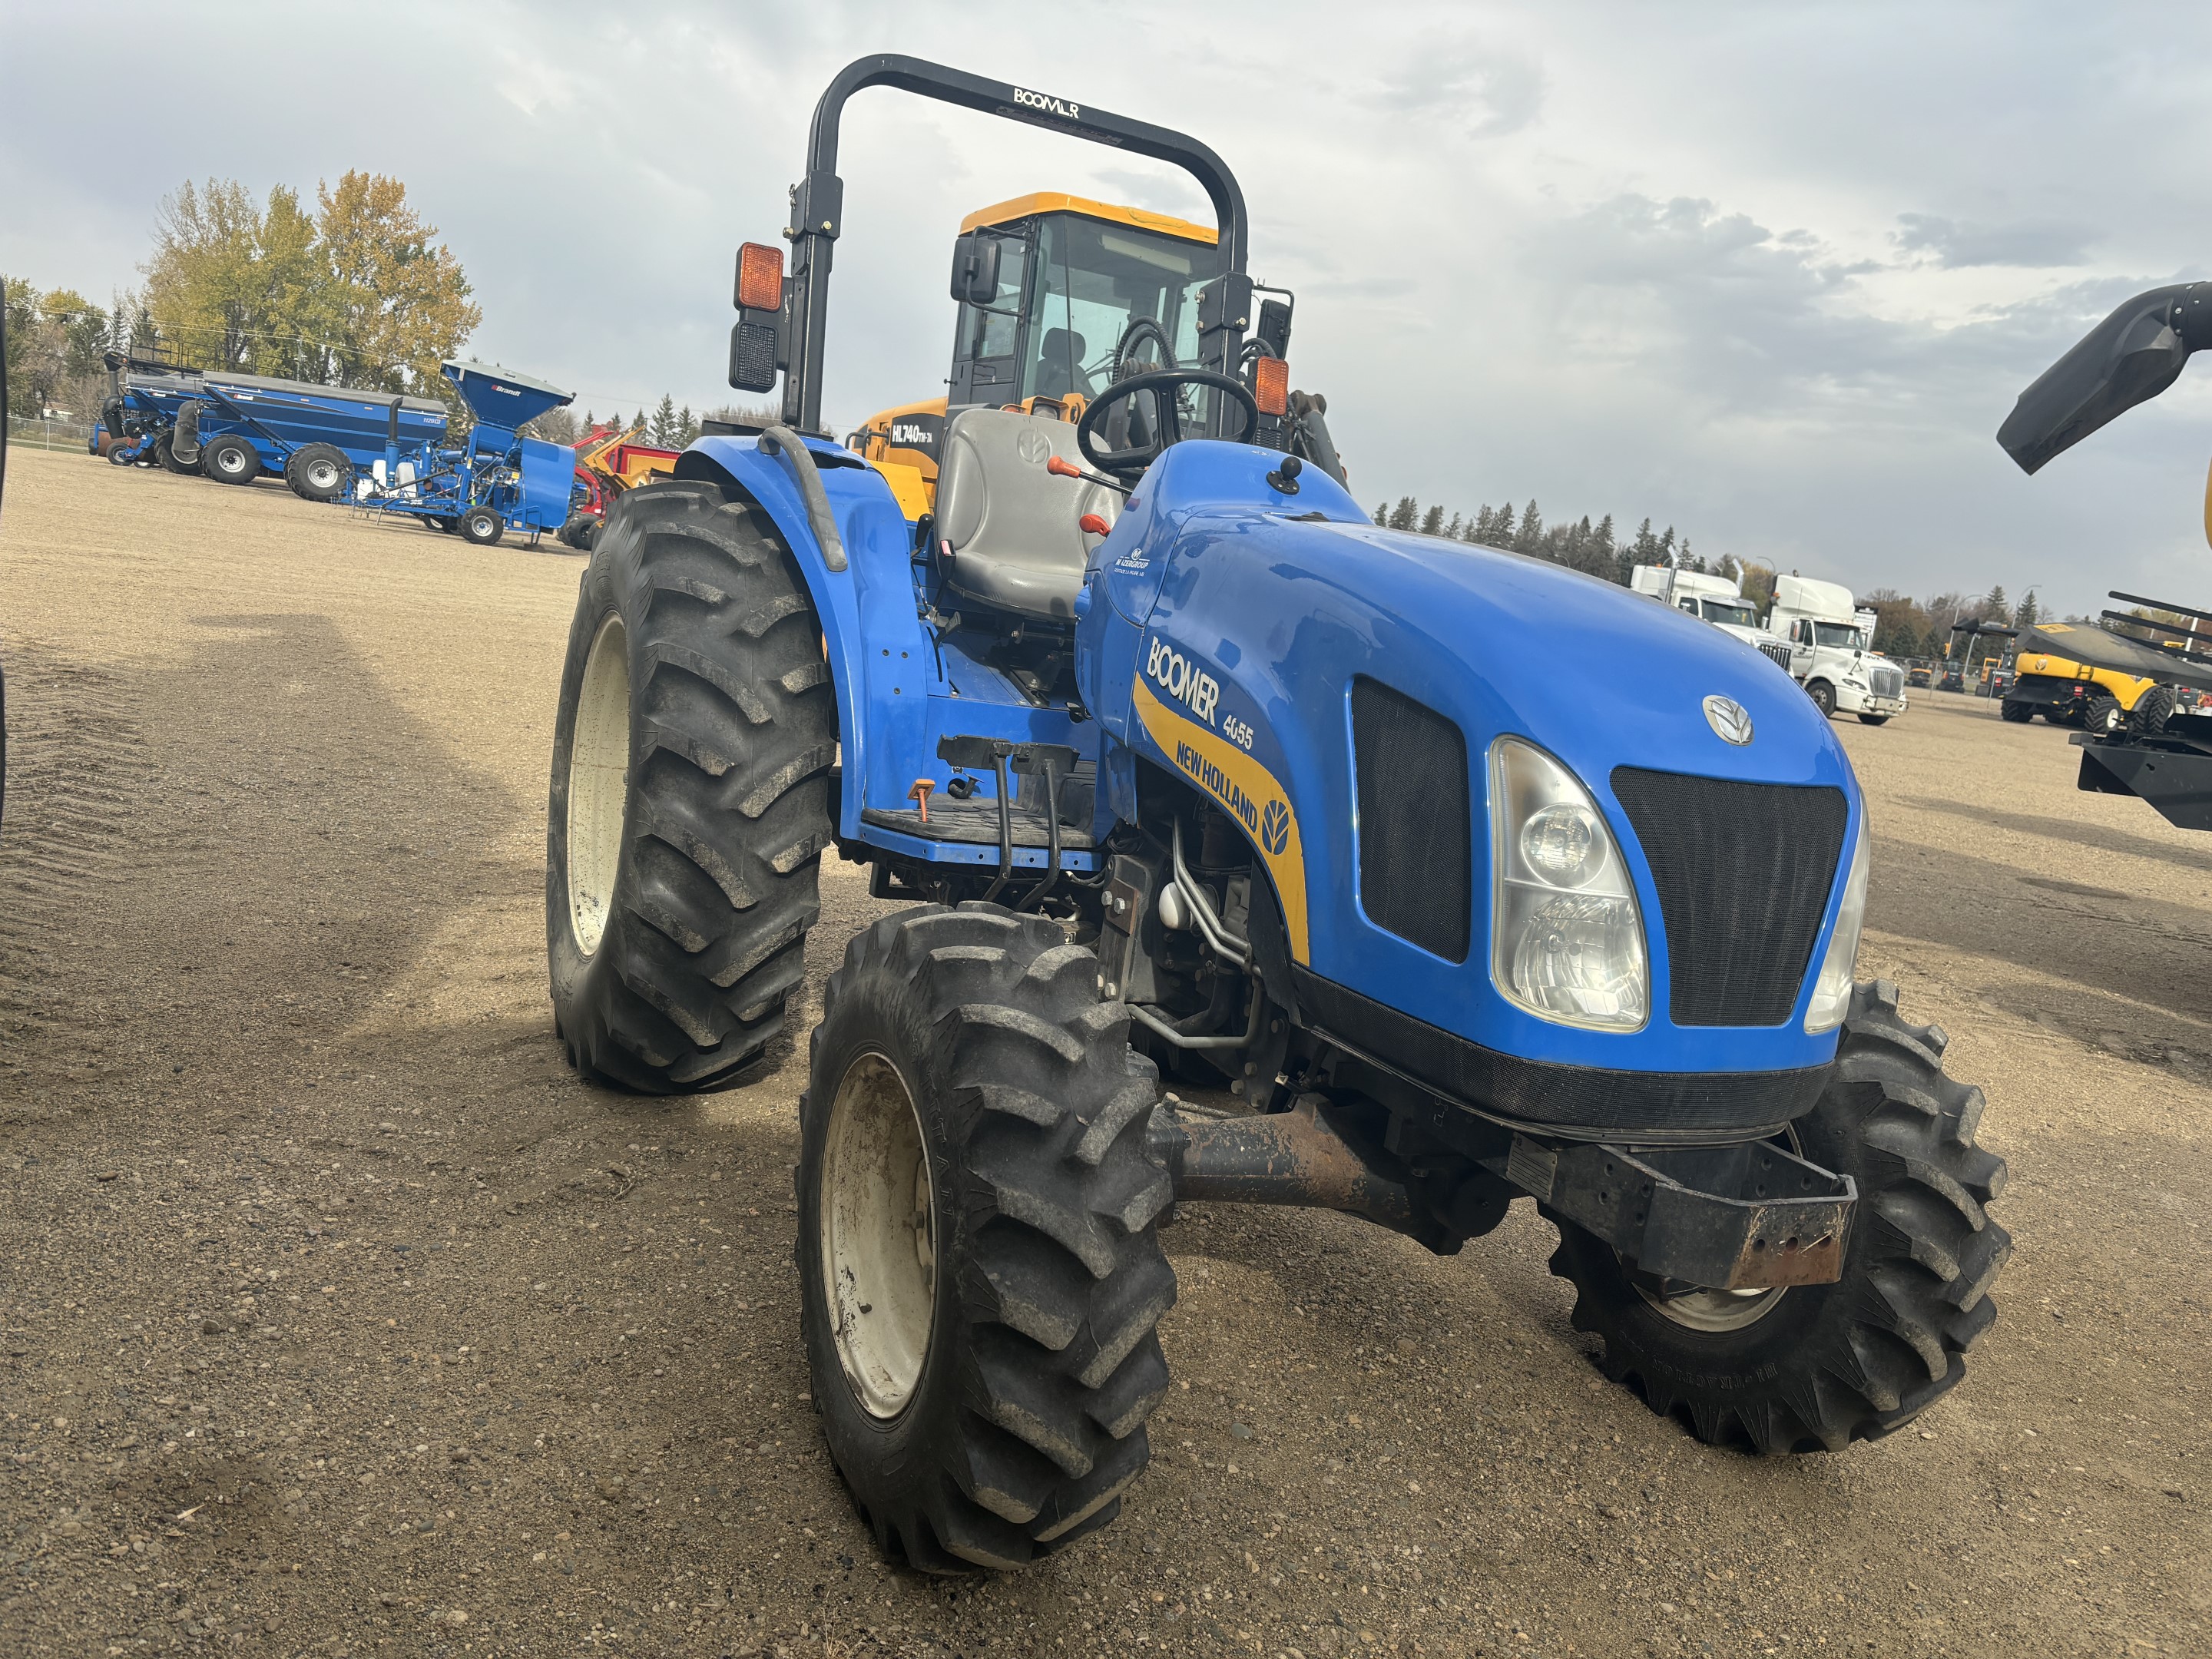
1416, 857
1744, 871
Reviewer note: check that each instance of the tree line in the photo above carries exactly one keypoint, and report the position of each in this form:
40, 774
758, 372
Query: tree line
1904, 627
665, 427
1595, 550
356, 292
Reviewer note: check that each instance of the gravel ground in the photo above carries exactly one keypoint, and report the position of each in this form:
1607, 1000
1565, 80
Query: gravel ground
337, 1318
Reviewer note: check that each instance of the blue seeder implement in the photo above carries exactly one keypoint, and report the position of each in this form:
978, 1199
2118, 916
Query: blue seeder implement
1186, 766
498, 480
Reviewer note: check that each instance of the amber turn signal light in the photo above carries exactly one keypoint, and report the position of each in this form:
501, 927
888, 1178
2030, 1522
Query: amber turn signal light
760, 276
1092, 525
1271, 385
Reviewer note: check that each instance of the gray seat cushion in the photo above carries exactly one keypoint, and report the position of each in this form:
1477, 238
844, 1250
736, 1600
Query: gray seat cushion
1011, 527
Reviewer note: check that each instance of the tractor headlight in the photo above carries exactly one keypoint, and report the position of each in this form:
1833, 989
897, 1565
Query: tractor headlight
1832, 992
1566, 942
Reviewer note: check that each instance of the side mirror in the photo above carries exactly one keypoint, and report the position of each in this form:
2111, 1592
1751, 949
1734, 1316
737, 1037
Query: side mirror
975, 268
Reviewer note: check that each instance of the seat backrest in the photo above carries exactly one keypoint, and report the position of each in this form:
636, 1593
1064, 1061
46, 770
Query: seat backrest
1012, 528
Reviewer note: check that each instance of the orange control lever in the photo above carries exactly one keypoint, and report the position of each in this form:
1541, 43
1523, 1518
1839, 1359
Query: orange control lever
919, 796
1061, 468
1092, 525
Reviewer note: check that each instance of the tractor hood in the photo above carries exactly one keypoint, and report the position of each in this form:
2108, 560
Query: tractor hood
1228, 630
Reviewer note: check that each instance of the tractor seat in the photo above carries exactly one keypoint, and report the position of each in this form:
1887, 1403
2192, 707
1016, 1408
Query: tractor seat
1012, 528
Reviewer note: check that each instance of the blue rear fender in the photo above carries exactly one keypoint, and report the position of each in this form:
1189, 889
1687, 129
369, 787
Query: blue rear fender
1239, 675
898, 689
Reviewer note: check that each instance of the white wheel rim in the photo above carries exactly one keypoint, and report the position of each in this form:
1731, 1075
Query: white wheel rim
321, 475
1703, 1309
598, 784
877, 1236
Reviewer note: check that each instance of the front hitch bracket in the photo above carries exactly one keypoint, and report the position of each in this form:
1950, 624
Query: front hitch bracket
1752, 1216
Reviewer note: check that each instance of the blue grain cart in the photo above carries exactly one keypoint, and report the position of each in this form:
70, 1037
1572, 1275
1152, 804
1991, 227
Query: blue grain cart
497, 480
319, 438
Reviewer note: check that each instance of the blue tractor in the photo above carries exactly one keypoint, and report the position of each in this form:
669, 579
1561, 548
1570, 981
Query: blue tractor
1187, 767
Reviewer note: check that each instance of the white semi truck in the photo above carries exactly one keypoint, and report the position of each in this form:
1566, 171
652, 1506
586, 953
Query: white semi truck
1830, 642
1714, 600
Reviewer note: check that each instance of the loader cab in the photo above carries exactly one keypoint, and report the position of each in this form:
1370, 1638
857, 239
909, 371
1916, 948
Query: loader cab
1078, 293
1082, 287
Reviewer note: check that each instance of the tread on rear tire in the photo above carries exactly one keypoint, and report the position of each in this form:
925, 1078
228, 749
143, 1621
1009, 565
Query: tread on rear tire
1826, 1364
673, 952
1019, 1424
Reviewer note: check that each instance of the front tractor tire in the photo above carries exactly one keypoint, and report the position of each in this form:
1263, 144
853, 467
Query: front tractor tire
1816, 1367
689, 803
979, 1265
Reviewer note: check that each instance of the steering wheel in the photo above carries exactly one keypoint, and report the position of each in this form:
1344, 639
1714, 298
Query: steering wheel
1160, 382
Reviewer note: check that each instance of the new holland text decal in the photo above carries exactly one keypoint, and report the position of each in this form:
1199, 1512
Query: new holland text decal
1208, 745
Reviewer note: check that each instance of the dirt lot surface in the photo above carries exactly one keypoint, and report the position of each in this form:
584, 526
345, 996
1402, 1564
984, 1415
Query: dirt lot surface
339, 1318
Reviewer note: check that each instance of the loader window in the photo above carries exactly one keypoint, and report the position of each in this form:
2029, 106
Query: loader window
1091, 281
991, 336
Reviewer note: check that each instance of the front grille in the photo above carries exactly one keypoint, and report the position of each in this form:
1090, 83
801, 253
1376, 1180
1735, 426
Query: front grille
1416, 826
1744, 871
1884, 681
1776, 653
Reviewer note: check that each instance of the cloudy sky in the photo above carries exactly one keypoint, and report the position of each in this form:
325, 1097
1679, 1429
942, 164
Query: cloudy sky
1770, 273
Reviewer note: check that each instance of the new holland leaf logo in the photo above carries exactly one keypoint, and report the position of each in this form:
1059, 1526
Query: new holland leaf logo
1275, 827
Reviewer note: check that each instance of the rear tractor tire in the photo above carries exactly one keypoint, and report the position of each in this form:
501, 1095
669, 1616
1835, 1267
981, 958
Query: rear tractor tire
1816, 1367
689, 803
2020, 713
979, 1265
1823, 695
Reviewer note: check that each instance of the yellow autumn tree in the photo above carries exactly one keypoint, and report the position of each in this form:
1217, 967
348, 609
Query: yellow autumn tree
232, 284
396, 294
360, 293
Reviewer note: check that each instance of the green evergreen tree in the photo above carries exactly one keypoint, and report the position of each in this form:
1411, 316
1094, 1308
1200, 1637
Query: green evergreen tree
687, 428
1529, 538
1382, 514
661, 432
1996, 608
1645, 549
1432, 521
1406, 514
2028, 612
1452, 528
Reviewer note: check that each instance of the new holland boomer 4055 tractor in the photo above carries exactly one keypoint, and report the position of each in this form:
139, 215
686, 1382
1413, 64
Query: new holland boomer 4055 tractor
1187, 764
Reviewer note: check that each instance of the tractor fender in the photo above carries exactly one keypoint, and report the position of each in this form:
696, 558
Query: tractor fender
1242, 678
878, 651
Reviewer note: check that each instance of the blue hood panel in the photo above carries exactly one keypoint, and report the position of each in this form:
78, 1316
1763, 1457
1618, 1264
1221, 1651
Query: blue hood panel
1264, 617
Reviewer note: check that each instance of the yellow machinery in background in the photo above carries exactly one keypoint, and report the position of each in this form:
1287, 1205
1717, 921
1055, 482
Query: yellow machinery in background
610, 461
2069, 692
1086, 294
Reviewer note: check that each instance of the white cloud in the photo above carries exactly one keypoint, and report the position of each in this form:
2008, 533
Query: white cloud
1772, 273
